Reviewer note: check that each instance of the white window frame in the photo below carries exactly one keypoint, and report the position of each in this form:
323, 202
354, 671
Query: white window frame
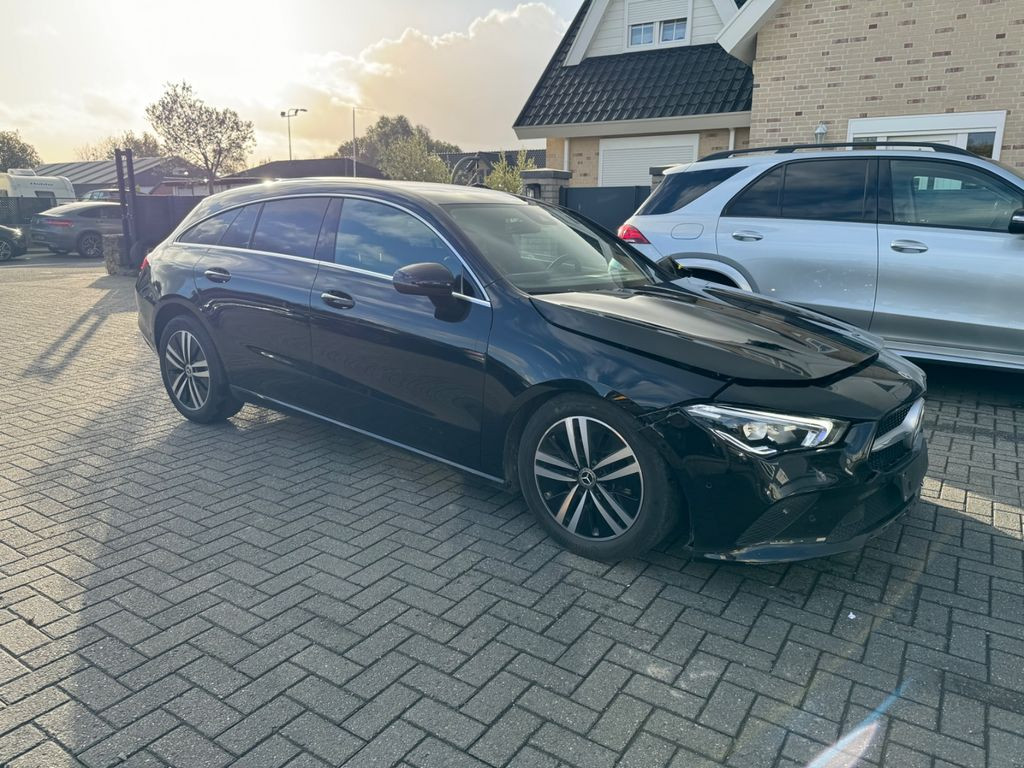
957, 123
661, 30
684, 12
654, 34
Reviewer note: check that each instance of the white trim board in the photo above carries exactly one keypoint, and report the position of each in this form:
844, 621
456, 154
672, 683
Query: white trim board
738, 35
634, 127
960, 124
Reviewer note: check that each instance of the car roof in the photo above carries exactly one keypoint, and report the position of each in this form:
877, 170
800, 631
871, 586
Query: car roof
414, 191
772, 157
81, 206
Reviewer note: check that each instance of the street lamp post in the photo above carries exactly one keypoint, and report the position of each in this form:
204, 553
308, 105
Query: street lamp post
288, 114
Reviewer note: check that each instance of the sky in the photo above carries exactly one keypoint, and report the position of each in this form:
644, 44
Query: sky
86, 70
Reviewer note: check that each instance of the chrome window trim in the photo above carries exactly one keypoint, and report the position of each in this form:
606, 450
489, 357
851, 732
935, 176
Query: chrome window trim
342, 195
342, 267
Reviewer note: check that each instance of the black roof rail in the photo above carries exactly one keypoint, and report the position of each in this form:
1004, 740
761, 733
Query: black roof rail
790, 148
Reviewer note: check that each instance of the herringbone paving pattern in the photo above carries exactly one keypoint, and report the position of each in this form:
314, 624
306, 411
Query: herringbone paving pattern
273, 591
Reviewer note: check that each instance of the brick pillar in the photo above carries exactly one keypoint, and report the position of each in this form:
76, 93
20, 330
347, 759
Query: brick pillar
545, 183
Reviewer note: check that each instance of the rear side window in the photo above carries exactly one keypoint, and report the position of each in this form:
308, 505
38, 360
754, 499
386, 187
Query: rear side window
824, 190
679, 189
209, 231
239, 233
828, 190
290, 226
759, 199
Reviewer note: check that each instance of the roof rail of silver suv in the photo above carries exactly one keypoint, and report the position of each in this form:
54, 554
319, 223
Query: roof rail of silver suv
947, 148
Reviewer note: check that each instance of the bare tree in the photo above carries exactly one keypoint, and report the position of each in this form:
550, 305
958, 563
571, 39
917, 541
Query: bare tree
16, 152
141, 145
217, 140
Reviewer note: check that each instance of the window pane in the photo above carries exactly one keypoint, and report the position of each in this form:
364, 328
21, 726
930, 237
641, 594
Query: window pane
679, 189
209, 232
641, 34
759, 199
673, 30
240, 231
982, 143
290, 226
950, 195
380, 238
828, 190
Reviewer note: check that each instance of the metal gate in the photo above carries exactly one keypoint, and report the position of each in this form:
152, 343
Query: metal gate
607, 206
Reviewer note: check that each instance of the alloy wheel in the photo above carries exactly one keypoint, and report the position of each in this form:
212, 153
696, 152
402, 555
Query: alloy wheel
6, 250
589, 478
92, 246
188, 370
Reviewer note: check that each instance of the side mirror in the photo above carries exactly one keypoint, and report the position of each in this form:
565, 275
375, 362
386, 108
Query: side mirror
428, 279
1017, 222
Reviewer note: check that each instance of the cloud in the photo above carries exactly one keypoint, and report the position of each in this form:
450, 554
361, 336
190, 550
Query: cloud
467, 87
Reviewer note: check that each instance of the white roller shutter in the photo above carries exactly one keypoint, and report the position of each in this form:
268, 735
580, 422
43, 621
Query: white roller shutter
627, 161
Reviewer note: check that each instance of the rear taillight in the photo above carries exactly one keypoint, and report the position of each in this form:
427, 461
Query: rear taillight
59, 222
630, 234
145, 262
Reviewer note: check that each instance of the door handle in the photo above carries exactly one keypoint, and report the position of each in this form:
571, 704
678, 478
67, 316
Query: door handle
217, 275
746, 236
908, 246
337, 299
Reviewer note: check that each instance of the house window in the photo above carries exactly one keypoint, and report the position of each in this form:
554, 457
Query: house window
979, 132
673, 30
641, 34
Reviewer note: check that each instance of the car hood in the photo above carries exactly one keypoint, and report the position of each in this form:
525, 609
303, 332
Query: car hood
720, 331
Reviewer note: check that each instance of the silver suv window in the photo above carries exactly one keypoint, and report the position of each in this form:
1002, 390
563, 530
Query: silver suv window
679, 189
823, 190
933, 193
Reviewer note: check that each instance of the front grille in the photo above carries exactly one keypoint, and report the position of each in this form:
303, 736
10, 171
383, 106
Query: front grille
893, 419
889, 457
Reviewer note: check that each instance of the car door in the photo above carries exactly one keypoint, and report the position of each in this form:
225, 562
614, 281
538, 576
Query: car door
806, 232
253, 285
950, 274
406, 368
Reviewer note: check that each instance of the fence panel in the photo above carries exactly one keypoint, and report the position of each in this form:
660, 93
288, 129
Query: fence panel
18, 211
608, 206
156, 216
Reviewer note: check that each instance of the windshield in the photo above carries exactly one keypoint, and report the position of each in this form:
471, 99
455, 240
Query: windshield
544, 250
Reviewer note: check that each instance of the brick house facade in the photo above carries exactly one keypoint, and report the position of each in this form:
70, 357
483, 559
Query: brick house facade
871, 69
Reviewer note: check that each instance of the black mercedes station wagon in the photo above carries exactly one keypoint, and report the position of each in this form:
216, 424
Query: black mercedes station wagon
519, 342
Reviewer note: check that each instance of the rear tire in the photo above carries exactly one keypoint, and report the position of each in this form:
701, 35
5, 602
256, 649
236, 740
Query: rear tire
90, 245
594, 483
193, 374
7, 249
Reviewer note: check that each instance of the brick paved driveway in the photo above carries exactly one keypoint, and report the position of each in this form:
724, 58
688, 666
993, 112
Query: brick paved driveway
276, 592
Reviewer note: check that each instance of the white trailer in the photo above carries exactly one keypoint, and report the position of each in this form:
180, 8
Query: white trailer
23, 182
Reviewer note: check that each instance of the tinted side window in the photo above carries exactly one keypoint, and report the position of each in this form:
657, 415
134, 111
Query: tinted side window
290, 226
828, 190
380, 238
208, 232
679, 189
943, 194
89, 213
239, 232
759, 199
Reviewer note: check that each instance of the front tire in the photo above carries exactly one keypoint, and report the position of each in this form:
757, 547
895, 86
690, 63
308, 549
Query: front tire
7, 249
594, 483
193, 374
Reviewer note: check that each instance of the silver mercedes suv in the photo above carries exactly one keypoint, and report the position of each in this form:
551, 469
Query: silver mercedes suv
921, 244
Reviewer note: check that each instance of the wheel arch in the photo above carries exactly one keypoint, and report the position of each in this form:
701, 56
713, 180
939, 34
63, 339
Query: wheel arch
169, 310
712, 264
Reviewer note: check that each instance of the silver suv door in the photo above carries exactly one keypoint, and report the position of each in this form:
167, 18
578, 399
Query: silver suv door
805, 232
950, 274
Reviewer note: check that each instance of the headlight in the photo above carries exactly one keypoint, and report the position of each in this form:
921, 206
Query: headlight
17, 233
767, 434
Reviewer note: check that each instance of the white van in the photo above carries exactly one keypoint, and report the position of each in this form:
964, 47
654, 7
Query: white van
23, 182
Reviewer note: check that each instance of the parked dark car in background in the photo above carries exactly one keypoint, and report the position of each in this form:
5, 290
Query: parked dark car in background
519, 342
76, 227
13, 242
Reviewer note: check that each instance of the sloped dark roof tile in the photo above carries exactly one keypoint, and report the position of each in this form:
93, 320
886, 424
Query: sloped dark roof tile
670, 82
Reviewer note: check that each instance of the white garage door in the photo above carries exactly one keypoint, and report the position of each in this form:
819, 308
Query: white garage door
627, 161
